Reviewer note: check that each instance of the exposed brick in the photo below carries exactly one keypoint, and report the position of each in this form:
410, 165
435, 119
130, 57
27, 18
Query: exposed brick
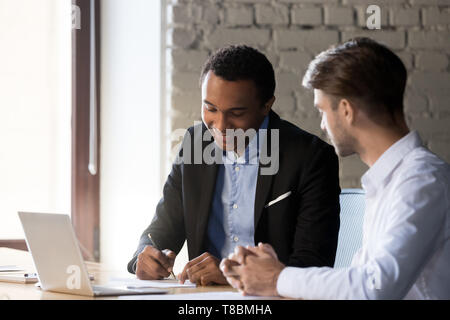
239, 16
295, 61
428, 39
439, 104
305, 102
187, 102
407, 58
431, 2
306, 16
185, 80
180, 37
179, 13
211, 14
415, 102
251, 37
441, 149
430, 128
291, 32
431, 61
312, 41
287, 82
248, 1
284, 105
338, 16
308, 1
376, 2
188, 60
404, 17
433, 83
353, 166
274, 15
436, 16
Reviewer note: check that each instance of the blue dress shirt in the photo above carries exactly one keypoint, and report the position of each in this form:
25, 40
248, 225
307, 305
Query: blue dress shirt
231, 221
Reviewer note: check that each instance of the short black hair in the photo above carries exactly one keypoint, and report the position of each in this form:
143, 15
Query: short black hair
363, 70
240, 62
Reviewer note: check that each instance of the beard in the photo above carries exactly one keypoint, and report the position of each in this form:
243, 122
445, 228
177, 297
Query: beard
343, 143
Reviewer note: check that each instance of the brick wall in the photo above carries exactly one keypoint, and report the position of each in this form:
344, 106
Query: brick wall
291, 33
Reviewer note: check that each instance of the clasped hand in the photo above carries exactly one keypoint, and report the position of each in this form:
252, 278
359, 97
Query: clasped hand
253, 270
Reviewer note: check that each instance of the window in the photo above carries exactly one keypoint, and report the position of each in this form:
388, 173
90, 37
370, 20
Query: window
35, 110
130, 148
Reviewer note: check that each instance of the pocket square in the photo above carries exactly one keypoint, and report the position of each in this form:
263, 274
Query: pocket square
283, 196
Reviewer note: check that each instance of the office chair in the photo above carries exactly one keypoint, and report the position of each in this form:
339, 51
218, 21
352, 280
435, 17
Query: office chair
350, 232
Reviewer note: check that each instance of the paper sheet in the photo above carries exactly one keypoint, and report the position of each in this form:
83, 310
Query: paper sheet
10, 268
134, 283
219, 295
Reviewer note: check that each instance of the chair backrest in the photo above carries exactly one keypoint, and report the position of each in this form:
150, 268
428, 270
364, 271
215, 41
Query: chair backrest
350, 232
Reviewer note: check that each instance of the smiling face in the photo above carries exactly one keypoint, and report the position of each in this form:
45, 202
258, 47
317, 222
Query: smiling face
333, 122
231, 105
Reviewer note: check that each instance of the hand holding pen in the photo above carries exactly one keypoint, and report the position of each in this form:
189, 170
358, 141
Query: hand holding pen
153, 263
167, 252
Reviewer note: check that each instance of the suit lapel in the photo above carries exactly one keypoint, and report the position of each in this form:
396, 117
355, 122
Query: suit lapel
264, 183
262, 192
206, 184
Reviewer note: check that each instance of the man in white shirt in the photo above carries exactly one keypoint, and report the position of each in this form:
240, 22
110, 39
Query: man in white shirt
358, 89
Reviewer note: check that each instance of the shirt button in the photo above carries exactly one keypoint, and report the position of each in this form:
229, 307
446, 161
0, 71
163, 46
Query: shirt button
236, 239
236, 169
235, 206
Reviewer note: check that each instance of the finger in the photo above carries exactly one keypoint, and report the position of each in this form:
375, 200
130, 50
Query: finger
194, 273
240, 253
171, 255
183, 275
148, 268
227, 267
263, 250
161, 258
268, 249
235, 283
205, 263
207, 279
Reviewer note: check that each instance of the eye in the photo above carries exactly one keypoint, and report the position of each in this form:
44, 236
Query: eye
237, 113
209, 108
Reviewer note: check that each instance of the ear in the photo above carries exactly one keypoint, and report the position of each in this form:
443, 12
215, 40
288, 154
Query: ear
268, 105
348, 111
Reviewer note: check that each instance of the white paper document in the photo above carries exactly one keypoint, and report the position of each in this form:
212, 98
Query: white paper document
135, 283
10, 268
219, 295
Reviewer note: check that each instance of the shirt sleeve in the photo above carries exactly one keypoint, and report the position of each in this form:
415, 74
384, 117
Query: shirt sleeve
414, 229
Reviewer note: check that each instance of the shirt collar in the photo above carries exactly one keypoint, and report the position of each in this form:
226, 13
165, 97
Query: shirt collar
255, 144
388, 161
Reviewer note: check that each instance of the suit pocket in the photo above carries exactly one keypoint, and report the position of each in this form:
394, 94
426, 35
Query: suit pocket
278, 199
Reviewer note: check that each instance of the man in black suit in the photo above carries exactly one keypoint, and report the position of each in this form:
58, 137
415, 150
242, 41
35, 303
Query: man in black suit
289, 199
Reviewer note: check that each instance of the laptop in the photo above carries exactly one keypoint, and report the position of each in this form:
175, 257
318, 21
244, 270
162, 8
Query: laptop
58, 261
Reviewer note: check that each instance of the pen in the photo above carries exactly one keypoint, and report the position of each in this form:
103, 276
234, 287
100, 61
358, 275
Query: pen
156, 246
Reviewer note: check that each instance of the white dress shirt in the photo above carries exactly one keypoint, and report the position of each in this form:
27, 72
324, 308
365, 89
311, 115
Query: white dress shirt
406, 247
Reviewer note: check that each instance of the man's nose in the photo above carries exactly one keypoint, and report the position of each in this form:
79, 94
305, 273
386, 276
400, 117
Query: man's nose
222, 123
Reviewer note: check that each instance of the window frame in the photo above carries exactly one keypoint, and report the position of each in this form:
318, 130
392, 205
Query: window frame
85, 197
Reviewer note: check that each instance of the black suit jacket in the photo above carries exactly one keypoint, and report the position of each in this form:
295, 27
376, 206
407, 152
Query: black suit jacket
303, 228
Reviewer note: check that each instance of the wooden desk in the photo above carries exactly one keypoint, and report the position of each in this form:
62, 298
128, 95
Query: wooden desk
19, 291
